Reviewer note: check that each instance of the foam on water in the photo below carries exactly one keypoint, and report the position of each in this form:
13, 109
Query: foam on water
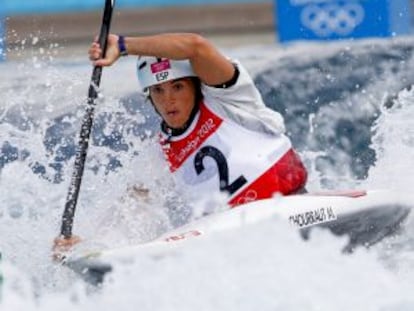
393, 141
265, 266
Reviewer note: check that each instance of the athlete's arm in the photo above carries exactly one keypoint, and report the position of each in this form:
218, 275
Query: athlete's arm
208, 63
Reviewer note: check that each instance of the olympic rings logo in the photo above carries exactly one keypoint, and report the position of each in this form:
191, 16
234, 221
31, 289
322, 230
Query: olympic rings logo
333, 18
249, 196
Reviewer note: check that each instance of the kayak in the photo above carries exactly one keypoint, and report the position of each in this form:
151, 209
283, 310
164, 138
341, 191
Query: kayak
366, 217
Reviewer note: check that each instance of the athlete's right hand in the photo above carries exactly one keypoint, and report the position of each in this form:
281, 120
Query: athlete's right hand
111, 55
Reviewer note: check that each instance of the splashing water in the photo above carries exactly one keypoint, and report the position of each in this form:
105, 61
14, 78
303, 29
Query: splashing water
340, 119
393, 141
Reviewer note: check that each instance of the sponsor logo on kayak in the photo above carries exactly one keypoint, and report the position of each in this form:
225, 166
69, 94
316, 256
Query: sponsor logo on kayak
310, 218
182, 236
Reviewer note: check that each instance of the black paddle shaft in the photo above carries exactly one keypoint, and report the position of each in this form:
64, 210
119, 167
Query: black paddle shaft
82, 148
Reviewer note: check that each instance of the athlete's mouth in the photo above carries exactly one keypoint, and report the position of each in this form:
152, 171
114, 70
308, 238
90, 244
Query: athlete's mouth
172, 112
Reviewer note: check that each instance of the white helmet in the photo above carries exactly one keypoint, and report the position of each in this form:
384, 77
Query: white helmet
152, 70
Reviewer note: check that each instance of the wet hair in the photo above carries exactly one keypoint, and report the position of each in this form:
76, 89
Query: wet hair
197, 85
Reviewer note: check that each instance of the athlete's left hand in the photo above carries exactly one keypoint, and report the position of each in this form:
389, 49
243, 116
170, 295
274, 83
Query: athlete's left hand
62, 245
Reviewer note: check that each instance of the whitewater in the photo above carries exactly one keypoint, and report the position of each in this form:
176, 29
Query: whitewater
349, 110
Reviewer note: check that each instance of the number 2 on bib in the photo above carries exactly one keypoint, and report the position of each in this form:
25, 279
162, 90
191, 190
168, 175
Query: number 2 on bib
217, 155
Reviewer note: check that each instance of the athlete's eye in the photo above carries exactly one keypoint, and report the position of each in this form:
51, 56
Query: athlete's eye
156, 89
178, 86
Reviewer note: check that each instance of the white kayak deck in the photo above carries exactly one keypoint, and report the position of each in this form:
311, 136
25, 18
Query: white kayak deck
366, 217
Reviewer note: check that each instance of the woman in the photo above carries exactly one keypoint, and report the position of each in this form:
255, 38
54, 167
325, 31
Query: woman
216, 133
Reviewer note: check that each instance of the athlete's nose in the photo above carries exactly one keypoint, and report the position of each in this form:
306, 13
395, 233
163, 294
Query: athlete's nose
169, 96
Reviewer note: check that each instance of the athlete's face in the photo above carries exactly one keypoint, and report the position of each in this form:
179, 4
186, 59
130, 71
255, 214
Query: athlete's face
174, 101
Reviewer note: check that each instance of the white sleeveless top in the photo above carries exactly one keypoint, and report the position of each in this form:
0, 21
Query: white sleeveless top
236, 145
219, 155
